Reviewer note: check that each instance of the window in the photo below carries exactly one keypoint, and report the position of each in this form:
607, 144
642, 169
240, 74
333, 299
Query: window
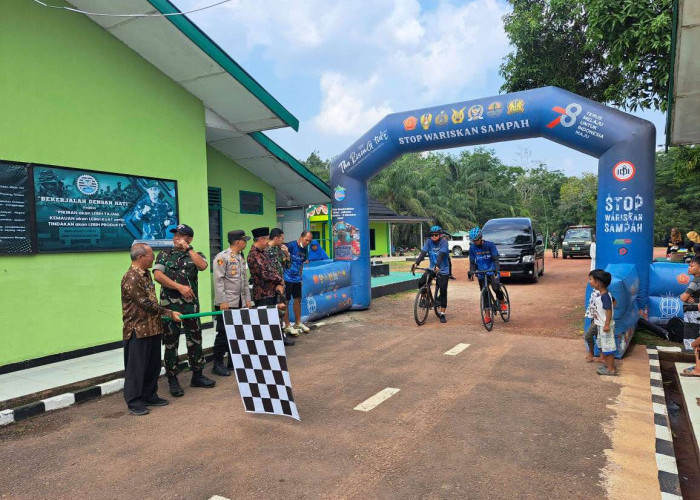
251, 203
216, 236
371, 240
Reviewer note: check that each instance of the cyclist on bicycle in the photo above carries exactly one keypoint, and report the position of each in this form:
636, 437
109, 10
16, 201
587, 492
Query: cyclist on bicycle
483, 257
437, 250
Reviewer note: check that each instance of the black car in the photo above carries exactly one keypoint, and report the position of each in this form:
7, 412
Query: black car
577, 241
520, 246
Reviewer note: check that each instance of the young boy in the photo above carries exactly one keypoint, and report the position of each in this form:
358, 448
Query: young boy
691, 316
592, 327
604, 312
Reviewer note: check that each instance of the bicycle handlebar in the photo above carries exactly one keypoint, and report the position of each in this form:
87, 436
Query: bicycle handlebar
413, 271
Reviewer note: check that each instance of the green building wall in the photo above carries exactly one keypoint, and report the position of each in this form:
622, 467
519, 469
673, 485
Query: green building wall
72, 95
381, 238
231, 178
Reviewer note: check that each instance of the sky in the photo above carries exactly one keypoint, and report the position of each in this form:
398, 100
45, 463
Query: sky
341, 66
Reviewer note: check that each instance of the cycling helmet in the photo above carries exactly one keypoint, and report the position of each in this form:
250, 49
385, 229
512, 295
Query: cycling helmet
475, 233
436, 229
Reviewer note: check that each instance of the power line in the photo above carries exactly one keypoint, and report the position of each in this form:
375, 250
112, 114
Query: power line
43, 4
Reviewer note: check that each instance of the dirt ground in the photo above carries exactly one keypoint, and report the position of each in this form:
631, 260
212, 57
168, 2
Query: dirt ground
517, 414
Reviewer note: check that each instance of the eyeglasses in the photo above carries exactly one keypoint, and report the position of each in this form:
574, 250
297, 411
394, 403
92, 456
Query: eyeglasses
434, 235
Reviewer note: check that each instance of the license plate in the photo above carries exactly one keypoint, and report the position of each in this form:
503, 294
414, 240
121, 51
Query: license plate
577, 248
505, 274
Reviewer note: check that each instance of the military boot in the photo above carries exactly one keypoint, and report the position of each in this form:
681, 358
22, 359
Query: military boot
199, 380
218, 368
175, 388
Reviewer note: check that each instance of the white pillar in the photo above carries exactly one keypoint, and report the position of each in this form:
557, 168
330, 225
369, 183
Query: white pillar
420, 243
390, 239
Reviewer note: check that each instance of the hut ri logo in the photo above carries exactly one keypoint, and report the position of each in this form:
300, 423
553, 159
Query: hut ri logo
339, 193
669, 306
624, 171
87, 185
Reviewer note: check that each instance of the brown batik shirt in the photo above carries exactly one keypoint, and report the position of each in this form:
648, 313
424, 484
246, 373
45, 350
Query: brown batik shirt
141, 312
263, 272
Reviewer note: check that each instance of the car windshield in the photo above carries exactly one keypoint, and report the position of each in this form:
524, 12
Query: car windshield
578, 234
508, 235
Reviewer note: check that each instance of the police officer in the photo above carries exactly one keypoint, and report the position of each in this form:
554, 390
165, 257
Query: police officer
231, 291
176, 270
154, 213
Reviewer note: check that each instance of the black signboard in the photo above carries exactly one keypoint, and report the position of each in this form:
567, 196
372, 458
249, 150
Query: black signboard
16, 209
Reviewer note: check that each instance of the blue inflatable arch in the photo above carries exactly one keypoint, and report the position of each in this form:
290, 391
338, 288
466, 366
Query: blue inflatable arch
624, 145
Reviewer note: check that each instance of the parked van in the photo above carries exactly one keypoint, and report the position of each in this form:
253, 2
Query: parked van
520, 246
577, 241
458, 243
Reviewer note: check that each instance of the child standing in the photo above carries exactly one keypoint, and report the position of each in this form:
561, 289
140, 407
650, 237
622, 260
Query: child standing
592, 328
604, 312
691, 316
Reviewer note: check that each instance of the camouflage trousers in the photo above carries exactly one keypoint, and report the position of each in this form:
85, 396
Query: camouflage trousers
171, 340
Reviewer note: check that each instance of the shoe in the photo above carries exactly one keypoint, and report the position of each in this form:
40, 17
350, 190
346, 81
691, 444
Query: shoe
288, 341
443, 319
504, 307
157, 401
219, 369
175, 388
138, 409
603, 370
290, 330
199, 380
229, 365
452, 277
302, 327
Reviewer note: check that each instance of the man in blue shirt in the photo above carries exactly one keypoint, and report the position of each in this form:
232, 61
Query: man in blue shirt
483, 256
298, 252
437, 250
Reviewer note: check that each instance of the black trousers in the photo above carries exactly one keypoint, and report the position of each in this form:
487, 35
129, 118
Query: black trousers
221, 342
142, 368
442, 280
495, 283
266, 302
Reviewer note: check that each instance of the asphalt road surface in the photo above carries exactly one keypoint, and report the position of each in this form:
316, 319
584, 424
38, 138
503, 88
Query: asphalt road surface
516, 414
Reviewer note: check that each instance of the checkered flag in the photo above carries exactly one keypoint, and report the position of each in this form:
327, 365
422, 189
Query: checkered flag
259, 360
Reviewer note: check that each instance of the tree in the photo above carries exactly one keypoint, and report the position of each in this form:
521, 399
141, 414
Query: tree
611, 51
321, 168
578, 200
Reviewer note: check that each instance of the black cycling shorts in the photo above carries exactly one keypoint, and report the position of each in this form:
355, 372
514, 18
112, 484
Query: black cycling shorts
292, 290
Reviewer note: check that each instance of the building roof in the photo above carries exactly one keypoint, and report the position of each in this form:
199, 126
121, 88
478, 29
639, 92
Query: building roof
237, 108
683, 126
382, 213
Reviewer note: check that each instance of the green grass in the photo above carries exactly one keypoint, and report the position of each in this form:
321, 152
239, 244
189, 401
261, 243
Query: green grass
645, 337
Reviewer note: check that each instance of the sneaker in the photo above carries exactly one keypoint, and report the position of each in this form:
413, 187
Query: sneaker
157, 401
302, 327
199, 380
443, 319
290, 330
504, 307
138, 409
288, 341
175, 387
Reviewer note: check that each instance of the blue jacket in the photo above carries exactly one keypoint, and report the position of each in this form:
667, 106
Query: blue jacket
484, 256
433, 251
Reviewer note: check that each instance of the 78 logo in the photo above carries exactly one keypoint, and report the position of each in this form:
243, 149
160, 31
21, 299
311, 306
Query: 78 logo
567, 117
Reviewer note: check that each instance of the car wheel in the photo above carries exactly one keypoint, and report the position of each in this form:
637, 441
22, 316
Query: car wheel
457, 251
563, 255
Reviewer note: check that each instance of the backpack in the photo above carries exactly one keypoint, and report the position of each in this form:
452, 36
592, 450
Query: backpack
675, 329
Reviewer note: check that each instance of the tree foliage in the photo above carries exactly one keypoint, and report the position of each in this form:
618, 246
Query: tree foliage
612, 51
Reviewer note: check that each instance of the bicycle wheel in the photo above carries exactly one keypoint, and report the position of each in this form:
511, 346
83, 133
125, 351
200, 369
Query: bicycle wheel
436, 302
421, 306
485, 298
505, 316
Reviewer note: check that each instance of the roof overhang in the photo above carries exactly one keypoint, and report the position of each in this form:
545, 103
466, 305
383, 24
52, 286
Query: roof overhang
237, 108
399, 219
683, 126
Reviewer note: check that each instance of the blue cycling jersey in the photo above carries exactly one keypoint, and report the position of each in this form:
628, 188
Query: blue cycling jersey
483, 255
433, 250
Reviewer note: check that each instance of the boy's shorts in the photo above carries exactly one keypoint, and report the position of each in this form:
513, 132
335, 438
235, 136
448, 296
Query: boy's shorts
691, 328
606, 340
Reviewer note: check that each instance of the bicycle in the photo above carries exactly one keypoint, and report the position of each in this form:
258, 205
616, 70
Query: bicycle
488, 301
425, 299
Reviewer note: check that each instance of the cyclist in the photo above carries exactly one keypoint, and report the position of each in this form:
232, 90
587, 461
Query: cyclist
483, 256
437, 250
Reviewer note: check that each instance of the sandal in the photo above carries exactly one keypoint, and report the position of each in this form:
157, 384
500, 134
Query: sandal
689, 373
603, 370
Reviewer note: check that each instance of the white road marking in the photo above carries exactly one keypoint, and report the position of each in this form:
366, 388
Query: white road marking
670, 496
666, 463
61, 401
658, 391
7, 417
654, 362
457, 349
112, 386
663, 432
658, 408
217, 497
662, 348
655, 375
377, 399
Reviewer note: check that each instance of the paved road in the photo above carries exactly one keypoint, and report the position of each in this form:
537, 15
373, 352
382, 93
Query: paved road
510, 416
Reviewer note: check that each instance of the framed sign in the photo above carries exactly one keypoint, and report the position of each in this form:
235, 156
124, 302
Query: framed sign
83, 210
16, 209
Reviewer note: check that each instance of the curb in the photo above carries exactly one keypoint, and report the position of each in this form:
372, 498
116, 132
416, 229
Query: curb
665, 456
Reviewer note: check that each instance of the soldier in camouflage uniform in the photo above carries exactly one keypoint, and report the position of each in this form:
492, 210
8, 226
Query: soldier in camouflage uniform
155, 214
176, 270
279, 255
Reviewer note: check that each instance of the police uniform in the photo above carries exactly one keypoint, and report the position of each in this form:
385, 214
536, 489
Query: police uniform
178, 266
230, 286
